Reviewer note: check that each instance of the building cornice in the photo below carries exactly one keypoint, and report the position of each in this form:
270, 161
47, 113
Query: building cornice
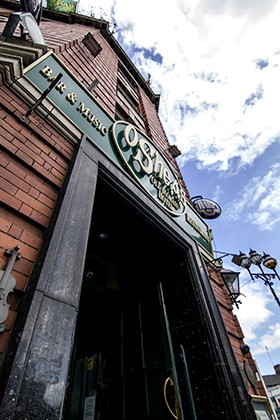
14, 57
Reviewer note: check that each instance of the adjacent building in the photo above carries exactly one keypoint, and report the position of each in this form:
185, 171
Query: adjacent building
111, 307
272, 383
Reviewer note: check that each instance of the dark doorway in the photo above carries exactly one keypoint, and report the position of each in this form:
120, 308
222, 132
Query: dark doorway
139, 309
122, 356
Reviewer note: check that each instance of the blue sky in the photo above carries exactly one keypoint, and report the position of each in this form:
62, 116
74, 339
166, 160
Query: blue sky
216, 65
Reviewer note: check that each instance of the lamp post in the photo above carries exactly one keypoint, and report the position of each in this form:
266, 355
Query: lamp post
244, 261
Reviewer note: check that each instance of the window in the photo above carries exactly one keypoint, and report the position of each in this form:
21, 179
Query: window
127, 89
121, 115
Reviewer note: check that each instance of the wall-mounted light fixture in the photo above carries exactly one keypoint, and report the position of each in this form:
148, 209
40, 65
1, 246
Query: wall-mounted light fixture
174, 151
230, 279
29, 24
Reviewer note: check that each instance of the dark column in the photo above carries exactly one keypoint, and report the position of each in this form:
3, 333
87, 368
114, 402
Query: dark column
38, 379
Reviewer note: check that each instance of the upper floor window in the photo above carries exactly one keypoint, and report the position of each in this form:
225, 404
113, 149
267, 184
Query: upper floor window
126, 89
122, 115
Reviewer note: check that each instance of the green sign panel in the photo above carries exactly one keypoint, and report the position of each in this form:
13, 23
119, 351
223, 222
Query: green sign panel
149, 167
124, 143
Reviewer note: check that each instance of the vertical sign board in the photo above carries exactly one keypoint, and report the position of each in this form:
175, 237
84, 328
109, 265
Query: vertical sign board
121, 142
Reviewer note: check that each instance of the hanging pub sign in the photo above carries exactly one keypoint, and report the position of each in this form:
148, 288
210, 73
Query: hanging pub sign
208, 209
121, 141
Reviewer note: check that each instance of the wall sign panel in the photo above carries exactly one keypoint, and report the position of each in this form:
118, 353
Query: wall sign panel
122, 142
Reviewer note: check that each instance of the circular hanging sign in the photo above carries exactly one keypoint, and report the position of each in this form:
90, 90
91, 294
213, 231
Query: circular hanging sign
207, 209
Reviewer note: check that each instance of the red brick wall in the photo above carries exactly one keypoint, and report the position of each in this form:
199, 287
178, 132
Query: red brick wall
80, 61
33, 163
232, 326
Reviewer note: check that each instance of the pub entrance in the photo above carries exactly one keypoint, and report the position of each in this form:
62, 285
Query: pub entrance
142, 349
123, 367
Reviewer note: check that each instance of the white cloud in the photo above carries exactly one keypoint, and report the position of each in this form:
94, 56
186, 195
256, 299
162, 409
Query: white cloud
217, 193
256, 314
259, 202
269, 340
209, 38
253, 313
200, 38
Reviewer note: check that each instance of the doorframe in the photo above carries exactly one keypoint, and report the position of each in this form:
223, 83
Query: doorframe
35, 373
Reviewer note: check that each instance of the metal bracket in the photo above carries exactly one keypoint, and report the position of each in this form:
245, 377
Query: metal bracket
42, 97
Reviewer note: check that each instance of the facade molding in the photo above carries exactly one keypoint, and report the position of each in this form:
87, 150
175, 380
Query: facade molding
13, 61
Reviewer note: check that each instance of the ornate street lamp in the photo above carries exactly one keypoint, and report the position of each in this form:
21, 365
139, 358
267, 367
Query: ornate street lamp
244, 261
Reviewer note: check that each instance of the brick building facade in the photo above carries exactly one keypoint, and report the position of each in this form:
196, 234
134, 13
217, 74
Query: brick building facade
112, 293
